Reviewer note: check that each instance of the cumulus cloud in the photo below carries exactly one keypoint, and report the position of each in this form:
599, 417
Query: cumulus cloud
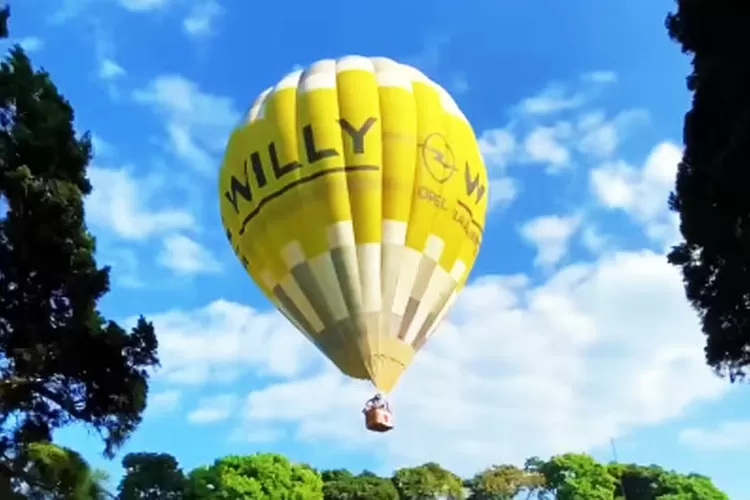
731, 435
223, 340
551, 236
123, 261
599, 137
503, 190
593, 240
101, 147
197, 123
521, 370
553, 99
459, 84
202, 17
545, 144
497, 147
144, 5
31, 43
110, 70
122, 204
600, 77
642, 192
185, 256
213, 409
164, 401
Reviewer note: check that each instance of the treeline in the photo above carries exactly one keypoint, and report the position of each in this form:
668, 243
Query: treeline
61, 474
273, 477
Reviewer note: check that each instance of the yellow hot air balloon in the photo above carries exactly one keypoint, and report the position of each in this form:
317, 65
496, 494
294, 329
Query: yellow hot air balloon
355, 195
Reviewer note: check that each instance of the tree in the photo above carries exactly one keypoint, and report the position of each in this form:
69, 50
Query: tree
427, 481
61, 362
574, 476
503, 482
56, 473
4, 15
151, 476
261, 476
636, 482
713, 179
343, 485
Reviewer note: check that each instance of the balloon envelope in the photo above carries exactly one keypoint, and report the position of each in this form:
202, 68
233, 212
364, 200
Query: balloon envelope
354, 194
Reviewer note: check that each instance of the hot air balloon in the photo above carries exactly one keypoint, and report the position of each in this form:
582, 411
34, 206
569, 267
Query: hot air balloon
354, 194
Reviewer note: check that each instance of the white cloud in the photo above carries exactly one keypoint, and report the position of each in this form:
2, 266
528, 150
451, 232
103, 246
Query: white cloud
144, 5
203, 14
546, 145
164, 401
552, 99
595, 352
223, 340
197, 123
600, 77
185, 256
642, 193
459, 84
503, 190
430, 56
110, 70
497, 147
214, 409
599, 137
593, 240
551, 236
31, 43
732, 435
101, 148
123, 261
121, 203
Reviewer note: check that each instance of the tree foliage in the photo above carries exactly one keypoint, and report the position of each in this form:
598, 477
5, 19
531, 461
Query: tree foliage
343, 485
712, 179
652, 482
428, 481
574, 476
504, 482
570, 476
55, 473
61, 362
151, 476
261, 476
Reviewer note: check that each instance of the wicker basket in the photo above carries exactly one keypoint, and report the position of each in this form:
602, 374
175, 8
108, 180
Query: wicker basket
378, 419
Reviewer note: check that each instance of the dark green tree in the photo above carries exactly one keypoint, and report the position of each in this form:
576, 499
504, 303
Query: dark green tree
4, 16
151, 476
61, 362
343, 485
263, 476
428, 481
637, 482
713, 177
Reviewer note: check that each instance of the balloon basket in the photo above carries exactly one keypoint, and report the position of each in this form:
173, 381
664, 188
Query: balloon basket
378, 420
378, 416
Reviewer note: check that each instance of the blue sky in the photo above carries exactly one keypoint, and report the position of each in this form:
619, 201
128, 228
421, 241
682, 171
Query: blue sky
574, 329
